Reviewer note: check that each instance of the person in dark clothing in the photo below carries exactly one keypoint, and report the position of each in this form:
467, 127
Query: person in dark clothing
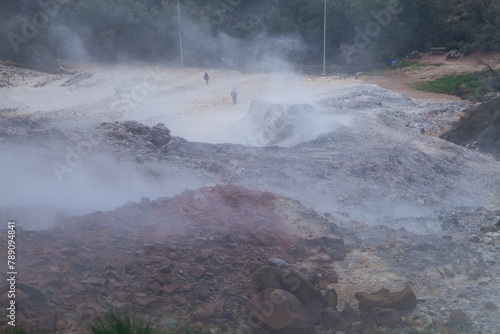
234, 94
206, 77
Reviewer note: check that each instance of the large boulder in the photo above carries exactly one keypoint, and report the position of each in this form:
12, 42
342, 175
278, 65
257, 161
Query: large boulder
399, 300
279, 312
266, 277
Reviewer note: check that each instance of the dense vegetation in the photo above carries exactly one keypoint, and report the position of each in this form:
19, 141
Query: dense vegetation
358, 31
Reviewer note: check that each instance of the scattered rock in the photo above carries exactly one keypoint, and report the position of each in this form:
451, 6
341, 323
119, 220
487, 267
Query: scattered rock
93, 281
490, 306
202, 290
349, 314
331, 318
334, 248
169, 288
122, 308
475, 238
332, 298
277, 262
145, 301
197, 272
202, 313
278, 311
155, 288
459, 320
401, 300
267, 277
390, 317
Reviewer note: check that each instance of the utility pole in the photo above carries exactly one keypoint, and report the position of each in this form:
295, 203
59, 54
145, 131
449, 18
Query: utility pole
180, 31
324, 41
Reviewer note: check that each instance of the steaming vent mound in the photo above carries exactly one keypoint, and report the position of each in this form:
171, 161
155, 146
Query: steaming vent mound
278, 124
366, 97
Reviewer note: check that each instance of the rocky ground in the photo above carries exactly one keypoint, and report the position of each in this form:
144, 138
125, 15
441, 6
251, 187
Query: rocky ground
355, 194
192, 259
479, 128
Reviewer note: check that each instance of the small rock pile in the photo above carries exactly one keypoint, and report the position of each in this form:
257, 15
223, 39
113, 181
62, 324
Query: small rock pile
285, 302
136, 135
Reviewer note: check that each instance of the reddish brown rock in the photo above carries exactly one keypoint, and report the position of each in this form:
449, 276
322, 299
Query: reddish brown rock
400, 300
124, 296
197, 272
167, 267
204, 254
390, 317
145, 301
267, 277
202, 314
169, 288
349, 314
155, 288
335, 248
331, 318
448, 272
279, 312
202, 290
332, 276
179, 300
122, 308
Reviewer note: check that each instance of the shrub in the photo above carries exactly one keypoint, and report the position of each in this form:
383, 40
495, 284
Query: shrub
113, 323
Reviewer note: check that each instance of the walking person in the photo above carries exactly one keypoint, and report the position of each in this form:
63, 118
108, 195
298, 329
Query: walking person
234, 94
206, 77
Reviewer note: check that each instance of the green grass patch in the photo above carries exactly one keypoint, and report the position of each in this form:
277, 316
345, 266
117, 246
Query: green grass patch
190, 330
17, 330
113, 323
472, 86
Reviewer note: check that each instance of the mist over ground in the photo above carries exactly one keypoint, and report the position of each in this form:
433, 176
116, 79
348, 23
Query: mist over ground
336, 146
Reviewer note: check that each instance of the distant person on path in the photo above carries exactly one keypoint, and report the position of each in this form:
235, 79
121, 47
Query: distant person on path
234, 94
206, 77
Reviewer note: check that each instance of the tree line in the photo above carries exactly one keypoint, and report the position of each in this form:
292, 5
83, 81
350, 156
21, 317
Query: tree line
357, 32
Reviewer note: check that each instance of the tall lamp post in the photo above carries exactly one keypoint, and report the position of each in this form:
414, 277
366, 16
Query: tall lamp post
324, 41
180, 33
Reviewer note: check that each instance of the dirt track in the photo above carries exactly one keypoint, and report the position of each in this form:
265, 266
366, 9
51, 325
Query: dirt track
401, 79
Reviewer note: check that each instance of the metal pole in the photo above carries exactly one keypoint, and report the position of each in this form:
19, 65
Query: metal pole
324, 41
180, 34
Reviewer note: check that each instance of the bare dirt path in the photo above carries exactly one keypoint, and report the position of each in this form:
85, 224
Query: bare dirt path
400, 80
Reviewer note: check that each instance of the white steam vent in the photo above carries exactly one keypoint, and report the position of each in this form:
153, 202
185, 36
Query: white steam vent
284, 124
